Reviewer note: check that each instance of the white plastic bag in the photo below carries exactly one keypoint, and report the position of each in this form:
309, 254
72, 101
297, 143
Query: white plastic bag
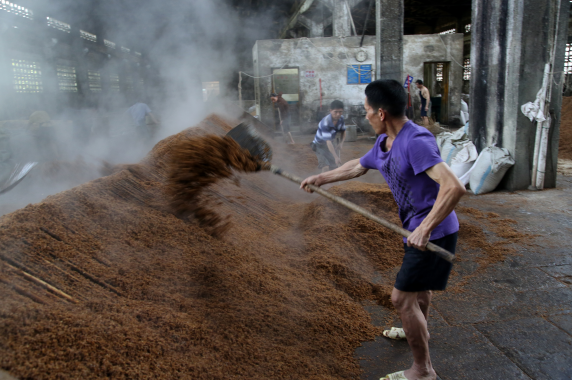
464, 112
464, 159
489, 169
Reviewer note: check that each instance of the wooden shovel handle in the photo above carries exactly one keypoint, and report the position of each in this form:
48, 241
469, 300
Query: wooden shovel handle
443, 253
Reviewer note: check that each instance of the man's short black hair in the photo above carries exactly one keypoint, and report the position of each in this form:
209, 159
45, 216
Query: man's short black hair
419, 81
387, 94
336, 105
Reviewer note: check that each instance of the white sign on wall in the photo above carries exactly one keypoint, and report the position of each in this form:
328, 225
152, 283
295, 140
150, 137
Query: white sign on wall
310, 74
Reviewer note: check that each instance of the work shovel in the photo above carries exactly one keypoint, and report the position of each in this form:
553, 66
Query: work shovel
17, 174
248, 138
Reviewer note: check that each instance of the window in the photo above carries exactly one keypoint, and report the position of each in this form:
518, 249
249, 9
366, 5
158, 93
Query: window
449, 31
359, 74
58, 25
109, 44
568, 59
114, 83
87, 36
439, 72
125, 50
67, 78
210, 89
27, 76
467, 69
16, 9
128, 80
468, 28
94, 80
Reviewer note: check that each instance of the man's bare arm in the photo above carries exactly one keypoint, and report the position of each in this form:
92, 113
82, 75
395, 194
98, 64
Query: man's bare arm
332, 150
450, 192
349, 170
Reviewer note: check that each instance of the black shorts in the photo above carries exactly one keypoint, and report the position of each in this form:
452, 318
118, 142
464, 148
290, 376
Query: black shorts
424, 270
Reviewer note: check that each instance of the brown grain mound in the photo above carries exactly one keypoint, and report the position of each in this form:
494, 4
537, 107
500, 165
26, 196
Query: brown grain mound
197, 163
279, 296
565, 143
155, 297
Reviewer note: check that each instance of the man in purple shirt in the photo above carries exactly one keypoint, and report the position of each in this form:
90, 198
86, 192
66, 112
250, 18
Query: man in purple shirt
426, 192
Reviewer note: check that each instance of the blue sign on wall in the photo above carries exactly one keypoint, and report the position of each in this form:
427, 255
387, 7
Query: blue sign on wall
353, 74
359, 74
365, 74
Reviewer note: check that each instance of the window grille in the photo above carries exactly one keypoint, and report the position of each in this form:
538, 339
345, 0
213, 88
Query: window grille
125, 50
15, 9
58, 25
67, 78
439, 72
114, 83
94, 80
468, 28
467, 69
568, 59
109, 44
128, 83
449, 31
87, 36
27, 76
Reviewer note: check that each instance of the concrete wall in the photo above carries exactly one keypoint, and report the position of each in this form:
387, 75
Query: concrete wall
329, 58
421, 48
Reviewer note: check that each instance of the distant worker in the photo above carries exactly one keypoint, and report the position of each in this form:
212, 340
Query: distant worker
43, 132
283, 115
138, 113
324, 144
425, 99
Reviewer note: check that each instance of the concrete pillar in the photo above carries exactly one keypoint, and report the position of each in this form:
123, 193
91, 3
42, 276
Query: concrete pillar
341, 19
511, 43
389, 42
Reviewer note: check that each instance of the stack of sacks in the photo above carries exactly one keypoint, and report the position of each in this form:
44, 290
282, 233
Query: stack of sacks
457, 150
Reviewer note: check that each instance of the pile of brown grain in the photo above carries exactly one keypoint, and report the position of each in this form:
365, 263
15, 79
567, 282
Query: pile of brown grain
197, 163
279, 296
565, 142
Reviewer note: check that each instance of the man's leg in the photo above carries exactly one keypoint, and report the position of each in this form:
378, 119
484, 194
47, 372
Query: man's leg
415, 327
424, 301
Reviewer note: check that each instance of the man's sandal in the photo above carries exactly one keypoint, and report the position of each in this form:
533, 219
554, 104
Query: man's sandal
396, 333
395, 376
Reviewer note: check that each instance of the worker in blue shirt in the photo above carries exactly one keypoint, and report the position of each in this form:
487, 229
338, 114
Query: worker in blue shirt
331, 129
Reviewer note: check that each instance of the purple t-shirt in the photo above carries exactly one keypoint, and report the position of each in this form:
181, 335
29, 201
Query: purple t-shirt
414, 150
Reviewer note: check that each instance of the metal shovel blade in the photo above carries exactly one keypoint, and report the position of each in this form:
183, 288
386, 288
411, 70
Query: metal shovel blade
248, 138
19, 171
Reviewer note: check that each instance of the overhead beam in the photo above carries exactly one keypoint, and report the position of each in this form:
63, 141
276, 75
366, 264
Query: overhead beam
304, 7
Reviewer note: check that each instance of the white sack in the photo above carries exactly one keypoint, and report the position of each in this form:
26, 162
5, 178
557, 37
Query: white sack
489, 169
464, 159
451, 143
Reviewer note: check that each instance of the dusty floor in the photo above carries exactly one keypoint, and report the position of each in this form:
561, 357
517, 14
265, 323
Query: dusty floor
298, 289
